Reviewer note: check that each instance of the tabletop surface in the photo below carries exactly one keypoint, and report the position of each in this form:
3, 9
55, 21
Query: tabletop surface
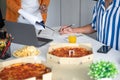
72, 72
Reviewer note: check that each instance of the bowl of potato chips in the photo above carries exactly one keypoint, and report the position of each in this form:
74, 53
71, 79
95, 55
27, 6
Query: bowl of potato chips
26, 51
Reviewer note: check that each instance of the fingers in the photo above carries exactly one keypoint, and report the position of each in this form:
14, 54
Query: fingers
62, 28
65, 30
43, 8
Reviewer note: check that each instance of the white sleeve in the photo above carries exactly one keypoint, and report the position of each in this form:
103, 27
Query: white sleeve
32, 19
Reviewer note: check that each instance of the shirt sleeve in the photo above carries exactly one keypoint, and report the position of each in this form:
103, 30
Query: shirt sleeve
46, 2
13, 5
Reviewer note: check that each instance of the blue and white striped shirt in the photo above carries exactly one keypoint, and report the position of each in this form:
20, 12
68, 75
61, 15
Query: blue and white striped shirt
107, 23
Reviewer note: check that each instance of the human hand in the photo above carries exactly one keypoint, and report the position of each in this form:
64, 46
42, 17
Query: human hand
66, 30
43, 8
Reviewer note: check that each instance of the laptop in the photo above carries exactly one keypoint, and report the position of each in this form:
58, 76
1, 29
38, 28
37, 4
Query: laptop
25, 34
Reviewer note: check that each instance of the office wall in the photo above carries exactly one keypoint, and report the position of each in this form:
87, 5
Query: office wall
65, 12
86, 11
70, 12
3, 7
53, 18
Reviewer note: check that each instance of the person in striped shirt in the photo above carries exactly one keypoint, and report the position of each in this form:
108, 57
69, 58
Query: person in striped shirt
106, 21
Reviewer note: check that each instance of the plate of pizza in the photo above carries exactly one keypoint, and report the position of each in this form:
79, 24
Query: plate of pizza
22, 71
70, 53
69, 50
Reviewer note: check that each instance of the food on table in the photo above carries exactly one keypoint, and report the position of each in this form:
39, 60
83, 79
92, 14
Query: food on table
72, 38
2, 44
26, 51
70, 52
21, 71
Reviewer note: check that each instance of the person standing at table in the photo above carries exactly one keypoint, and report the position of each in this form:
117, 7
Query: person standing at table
106, 21
36, 8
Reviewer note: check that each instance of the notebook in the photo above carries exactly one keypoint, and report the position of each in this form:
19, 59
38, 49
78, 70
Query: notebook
25, 34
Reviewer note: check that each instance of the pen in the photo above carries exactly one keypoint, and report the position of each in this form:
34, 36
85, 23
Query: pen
39, 32
49, 28
70, 25
67, 26
46, 27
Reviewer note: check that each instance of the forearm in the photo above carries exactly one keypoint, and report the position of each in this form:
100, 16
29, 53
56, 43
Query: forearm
84, 29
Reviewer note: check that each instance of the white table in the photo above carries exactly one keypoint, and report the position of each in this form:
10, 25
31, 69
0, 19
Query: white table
73, 72
112, 55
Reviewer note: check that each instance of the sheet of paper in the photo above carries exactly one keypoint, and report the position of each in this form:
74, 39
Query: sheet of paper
32, 19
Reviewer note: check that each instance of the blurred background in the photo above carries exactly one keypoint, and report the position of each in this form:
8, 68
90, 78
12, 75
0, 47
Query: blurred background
66, 12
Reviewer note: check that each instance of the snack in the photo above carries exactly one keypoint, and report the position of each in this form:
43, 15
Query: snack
2, 44
70, 52
21, 71
26, 51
